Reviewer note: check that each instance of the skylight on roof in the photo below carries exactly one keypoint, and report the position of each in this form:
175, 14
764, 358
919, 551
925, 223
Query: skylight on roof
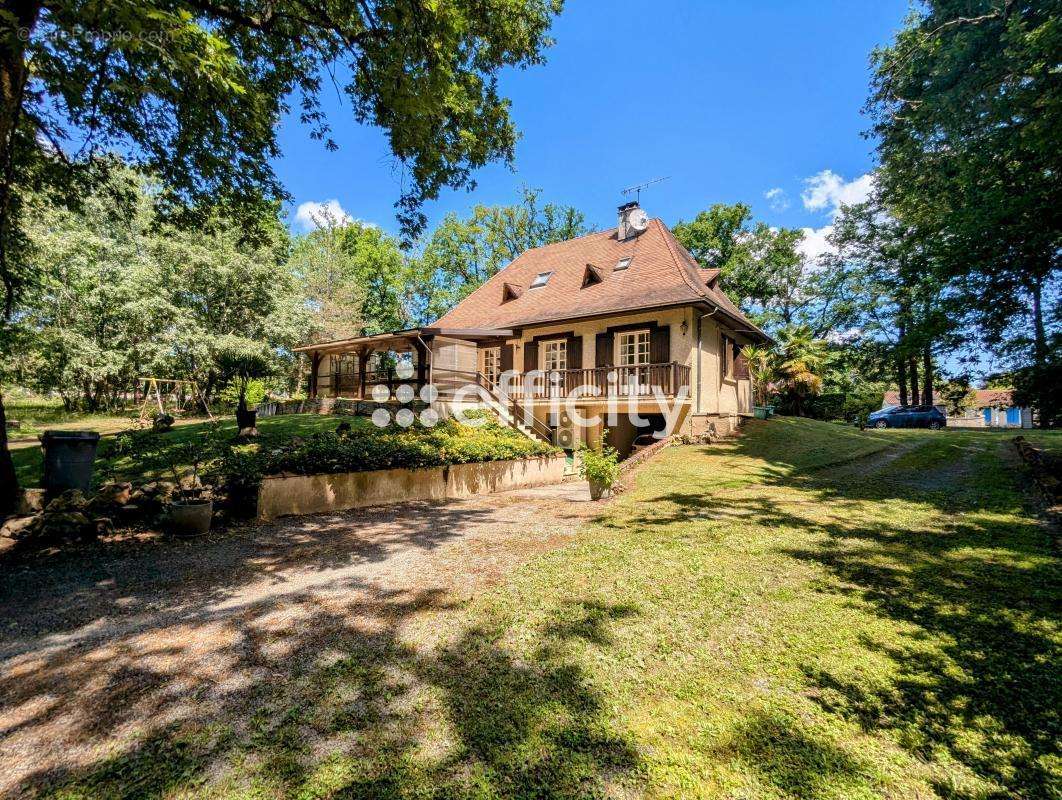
540, 280
623, 263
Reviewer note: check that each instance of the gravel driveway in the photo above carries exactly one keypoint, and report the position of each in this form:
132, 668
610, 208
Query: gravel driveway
101, 646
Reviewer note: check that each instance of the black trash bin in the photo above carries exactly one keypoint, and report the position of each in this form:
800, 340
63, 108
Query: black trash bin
68, 460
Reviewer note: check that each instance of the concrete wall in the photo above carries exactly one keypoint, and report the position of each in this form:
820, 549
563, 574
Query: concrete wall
281, 496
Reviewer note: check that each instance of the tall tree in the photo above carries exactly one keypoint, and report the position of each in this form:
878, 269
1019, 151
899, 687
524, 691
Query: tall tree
194, 90
897, 290
122, 295
763, 269
967, 108
462, 253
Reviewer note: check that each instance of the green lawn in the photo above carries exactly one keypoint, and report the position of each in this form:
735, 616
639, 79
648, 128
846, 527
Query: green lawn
774, 617
28, 460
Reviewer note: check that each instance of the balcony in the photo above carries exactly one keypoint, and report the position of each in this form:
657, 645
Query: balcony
644, 380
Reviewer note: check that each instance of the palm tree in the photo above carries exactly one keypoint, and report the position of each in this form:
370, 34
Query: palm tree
761, 365
802, 359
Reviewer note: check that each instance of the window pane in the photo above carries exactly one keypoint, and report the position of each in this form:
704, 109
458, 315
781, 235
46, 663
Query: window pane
633, 348
540, 280
555, 355
492, 364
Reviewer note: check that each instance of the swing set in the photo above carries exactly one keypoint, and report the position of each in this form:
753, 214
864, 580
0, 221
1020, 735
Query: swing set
177, 392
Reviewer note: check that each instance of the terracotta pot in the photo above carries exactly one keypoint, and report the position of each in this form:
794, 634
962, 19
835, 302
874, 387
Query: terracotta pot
191, 517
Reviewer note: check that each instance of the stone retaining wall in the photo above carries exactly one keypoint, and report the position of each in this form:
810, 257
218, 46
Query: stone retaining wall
284, 495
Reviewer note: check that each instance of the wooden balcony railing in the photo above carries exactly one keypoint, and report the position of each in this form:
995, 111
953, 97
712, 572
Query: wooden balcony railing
644, 380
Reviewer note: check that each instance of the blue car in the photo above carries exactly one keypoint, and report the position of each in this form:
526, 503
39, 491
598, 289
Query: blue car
907, 417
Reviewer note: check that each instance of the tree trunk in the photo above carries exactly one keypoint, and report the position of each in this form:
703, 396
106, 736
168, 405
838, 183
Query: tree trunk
8, 479
927, 376
22, 17
912, 365
901, 378
1039, 334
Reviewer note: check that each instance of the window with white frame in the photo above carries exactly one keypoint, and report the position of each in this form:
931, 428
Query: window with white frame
492, 364
632, 354
632, 348
555, 355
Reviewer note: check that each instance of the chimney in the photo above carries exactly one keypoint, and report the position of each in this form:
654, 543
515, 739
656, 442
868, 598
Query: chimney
624, 230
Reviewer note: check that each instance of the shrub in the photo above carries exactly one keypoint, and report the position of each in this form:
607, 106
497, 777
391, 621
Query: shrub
363, 449
256, 392
600, 466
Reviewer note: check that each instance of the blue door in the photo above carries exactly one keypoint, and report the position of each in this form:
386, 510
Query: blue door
1014, 416
988, 416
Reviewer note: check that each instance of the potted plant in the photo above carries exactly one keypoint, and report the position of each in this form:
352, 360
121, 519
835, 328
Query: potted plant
244, 360
191, 508
600, 468
760, 361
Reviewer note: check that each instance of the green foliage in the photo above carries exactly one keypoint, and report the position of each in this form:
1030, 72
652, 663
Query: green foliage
462, 253
761, 365
254, 393
370, 448
762, 269
957, 395
800, 363
600, 465
123, 295
354, 276
967, 107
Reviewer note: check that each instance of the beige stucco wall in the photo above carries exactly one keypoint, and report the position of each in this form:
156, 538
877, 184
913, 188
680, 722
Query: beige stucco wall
314, 494
718, 394
681, 344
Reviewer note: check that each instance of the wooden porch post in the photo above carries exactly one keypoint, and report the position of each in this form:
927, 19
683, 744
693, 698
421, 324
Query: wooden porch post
363, 354
315, 365
422, 362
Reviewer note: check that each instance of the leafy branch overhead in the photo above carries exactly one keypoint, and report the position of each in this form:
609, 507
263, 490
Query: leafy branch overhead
195, 90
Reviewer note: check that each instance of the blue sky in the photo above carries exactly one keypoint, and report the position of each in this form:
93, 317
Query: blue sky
729, 99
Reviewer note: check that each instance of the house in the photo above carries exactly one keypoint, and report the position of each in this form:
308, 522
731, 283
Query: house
594, 332
991, 408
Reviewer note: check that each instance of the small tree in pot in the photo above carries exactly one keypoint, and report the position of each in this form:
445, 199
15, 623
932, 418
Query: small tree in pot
191, 509
244, 360
600, 468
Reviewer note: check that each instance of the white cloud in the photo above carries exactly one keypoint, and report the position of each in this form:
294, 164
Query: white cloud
814, 244
828, 191
845, 336
312, 215
777, 199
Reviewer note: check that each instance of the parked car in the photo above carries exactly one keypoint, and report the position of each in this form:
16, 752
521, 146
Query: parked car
908, 417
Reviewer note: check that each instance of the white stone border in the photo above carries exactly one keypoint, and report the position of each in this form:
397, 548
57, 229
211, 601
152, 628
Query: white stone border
286, 495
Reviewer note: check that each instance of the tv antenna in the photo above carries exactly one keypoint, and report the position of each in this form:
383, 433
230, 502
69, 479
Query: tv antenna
637, 190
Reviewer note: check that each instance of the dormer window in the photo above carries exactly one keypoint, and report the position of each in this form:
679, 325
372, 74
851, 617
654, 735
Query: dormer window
510, 291
623, 263
591, 276
540, 280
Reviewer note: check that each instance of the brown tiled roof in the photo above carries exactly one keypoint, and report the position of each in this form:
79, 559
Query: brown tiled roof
661, 273
985, 398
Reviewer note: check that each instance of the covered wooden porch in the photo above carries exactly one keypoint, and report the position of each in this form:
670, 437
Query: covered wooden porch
353, 368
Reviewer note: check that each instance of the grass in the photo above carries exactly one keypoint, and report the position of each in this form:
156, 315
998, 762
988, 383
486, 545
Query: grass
807, 612
272, 430
36, 414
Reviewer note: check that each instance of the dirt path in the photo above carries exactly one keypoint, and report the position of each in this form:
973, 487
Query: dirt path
107, 645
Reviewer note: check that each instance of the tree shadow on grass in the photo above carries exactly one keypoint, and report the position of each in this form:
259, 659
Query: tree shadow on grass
105, 581
935, 540
798, 763
342, 704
